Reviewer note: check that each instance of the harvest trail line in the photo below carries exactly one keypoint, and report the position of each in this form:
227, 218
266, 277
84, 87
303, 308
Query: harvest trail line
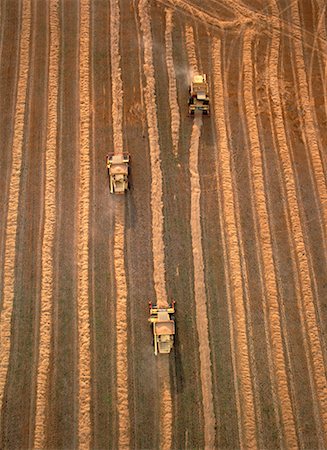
12, 213
270, 291
48, 233
201, 313
84, 418
157, 214
173, 102
237, 313
200, 291
119, 236
305, 298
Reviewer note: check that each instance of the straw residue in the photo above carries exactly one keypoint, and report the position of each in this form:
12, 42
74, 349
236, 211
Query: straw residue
306, 302
200, 291
244, 393
48, 233
269, 276
12, 212
202, 15
308, 122
190, 48
173, 103
119, 260
84, 420
156, 208
116, 80
156, 174
121, 329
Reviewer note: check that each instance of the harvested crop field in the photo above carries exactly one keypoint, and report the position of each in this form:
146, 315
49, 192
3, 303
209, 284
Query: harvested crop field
226, 214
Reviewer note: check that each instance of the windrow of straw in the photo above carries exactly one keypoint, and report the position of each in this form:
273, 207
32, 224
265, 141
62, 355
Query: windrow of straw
237, 311
172, 86
48, 233
84, 418
270, 284
12, 213
119, 238
305, 296
157, 212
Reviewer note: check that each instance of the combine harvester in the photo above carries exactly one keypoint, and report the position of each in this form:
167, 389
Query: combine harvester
199, 95
117, 166
163, 323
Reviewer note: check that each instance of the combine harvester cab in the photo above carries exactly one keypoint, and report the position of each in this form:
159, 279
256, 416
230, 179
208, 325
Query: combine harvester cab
118, 166
199, 95
163, 327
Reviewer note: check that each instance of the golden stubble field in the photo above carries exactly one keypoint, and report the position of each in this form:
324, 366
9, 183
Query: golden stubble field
226, 214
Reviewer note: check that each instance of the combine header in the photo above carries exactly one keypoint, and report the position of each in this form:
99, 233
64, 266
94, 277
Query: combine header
199, 98
117, 166
163, 323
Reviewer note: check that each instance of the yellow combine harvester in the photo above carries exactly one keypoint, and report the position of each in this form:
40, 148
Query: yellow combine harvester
117, 166
199, 95
163, 323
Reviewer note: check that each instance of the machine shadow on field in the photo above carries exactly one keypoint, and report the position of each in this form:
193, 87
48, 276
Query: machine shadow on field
130, 209
176, 370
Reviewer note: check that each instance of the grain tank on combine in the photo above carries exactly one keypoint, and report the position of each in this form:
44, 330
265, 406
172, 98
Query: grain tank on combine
117, 165
199, 95
163, 327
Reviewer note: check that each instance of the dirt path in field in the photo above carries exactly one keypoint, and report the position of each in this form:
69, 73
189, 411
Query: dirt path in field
239, 340
84, 422
104, 413
119, 240
12, 212
46, 307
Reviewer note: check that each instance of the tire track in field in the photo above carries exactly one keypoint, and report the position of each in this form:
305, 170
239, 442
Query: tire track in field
239, 339
12, 212
269, 276
173, 102
306, 302
157, 211
197, 250
262, 98
319, 50
246, 259
281, 143
323, 45
48, 234
119, 236
308, 123
203, 16
84, 418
